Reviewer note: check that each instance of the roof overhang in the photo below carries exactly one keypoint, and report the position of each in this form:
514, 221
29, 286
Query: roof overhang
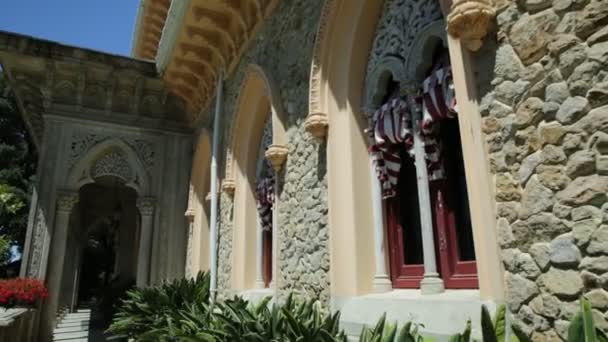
149, 24
52, 78
201, 39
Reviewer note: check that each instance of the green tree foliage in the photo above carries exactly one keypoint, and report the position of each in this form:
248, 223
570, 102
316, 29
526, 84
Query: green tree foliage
17, 167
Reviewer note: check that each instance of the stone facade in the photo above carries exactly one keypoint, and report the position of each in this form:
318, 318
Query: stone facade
284, 46
545, 116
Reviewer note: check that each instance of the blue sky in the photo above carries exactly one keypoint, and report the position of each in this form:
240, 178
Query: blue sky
105, 25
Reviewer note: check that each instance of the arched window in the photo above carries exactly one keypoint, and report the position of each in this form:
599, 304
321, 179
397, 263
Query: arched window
265, 183
449, 204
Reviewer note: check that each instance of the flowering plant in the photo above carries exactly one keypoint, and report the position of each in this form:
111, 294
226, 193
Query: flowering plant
21, 292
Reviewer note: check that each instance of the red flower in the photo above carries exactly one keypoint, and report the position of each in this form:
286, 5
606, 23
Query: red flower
21, 292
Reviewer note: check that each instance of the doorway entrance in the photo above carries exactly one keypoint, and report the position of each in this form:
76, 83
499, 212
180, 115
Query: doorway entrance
108, 230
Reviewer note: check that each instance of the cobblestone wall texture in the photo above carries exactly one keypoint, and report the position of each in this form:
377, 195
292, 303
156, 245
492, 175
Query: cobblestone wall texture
545, 118
283, 47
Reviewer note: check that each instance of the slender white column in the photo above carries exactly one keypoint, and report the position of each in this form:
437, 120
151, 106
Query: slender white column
146, 210
65, 204
259, 252
275, 231
213, 222
431, 283
382, 282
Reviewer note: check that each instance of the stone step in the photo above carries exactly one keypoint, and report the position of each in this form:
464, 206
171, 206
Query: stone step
73, 324
75, 328
71, 336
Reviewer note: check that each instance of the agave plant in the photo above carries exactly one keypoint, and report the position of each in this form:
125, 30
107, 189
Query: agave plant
150, 314
389, 332
582, 328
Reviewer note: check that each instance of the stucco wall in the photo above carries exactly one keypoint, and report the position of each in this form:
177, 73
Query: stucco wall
283, 47
545, 108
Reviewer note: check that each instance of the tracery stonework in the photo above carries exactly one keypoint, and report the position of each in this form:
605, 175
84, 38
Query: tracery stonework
400, 24
113, 163
33, 269
83, 142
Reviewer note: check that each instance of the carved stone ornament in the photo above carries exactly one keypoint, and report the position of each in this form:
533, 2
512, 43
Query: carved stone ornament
113, 163
189, 214
316, 124
66, 200
276, 155
469, 21
228, 186
146, 205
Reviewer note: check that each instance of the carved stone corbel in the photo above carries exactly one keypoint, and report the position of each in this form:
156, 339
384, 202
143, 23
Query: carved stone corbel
316, 124
228, 186
469, 21
276, 155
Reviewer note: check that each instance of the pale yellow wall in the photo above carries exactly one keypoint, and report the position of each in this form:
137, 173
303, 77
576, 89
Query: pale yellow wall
199, 181
347, 35
258, 98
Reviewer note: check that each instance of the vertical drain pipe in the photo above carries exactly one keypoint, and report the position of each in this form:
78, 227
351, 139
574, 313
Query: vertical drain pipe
214, 189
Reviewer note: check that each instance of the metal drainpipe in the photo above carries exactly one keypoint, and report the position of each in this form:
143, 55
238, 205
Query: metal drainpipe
214, 189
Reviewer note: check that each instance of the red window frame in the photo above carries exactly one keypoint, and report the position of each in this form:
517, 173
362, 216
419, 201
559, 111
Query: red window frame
456, 274
267, 257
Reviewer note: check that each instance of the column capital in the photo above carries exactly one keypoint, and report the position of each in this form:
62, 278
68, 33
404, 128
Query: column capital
316, 124
146, 205
66, 199
276, 155
469, 21
228, 186
189, 215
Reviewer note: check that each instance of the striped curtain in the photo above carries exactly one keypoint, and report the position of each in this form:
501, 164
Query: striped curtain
265, 200
392, 129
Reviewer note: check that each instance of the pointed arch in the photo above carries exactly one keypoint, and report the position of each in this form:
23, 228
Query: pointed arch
260, 92
119, 159
258, 101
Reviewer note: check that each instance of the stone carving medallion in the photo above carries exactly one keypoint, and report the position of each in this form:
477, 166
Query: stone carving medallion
113, 163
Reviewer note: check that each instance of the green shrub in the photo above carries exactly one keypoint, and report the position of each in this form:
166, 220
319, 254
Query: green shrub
147, 314
180, 311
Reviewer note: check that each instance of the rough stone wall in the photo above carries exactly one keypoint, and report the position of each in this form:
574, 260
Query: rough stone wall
545, 108
284, 47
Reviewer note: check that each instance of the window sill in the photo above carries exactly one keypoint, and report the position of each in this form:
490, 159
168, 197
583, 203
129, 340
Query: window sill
441, 314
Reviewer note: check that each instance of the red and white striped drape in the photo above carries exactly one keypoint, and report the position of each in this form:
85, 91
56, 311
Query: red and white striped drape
392, 128
265, 200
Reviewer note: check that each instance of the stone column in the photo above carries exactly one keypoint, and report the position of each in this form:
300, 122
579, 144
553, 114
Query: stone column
259, 263
146, 210
276, 155
382, 282
64, 205
189, 271
431, 283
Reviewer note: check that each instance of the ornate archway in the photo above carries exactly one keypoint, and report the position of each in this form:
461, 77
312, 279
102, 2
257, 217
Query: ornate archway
258, 105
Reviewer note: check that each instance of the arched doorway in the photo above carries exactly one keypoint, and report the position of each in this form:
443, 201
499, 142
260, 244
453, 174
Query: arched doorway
108, 231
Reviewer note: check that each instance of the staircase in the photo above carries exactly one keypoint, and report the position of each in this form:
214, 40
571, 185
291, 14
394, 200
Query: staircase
73, 327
